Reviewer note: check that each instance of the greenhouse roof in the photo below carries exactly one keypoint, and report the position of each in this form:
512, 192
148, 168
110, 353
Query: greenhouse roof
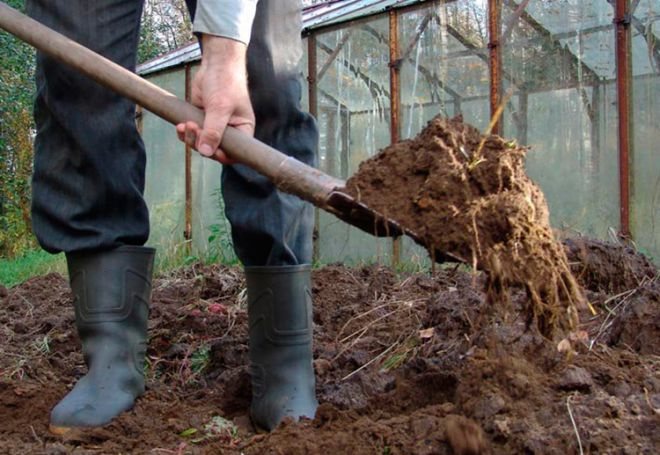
333, 12
545, 36
314, 16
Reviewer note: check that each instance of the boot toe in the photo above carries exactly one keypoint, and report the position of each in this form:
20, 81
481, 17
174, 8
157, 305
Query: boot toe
83, 409
268, 414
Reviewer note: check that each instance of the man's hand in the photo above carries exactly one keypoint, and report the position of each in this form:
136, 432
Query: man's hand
220, 89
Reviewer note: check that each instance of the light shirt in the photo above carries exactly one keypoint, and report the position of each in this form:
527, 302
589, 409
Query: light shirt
226, 18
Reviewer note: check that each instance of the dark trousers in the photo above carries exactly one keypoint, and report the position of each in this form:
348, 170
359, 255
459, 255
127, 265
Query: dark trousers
89, 165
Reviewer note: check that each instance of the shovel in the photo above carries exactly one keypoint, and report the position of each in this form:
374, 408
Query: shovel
287, 174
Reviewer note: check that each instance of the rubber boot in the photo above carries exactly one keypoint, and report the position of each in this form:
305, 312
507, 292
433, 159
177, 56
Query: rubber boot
111, 292
281, 369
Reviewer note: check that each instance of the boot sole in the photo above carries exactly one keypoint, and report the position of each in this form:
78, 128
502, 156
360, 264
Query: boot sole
68, 432
58, 431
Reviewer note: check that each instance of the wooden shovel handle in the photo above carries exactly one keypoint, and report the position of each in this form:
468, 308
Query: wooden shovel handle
288, 174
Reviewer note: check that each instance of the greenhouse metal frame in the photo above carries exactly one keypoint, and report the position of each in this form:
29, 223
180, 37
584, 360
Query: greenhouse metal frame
600, 48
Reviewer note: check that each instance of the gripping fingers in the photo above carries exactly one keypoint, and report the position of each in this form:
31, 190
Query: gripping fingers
188, 133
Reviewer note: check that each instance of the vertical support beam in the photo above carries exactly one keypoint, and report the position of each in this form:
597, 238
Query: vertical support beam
495, 59
595, 128
312, 97
395, 105
622, 21
345, 134
187, 232
331, 140
458, 108
523, 110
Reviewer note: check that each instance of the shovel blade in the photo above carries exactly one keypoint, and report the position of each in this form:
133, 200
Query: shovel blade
357, 214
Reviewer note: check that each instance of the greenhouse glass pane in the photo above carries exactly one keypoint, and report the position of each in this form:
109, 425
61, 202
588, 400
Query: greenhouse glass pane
646, 54
562, 108
353, 93
211, 234
567, 16
165, 173
645, 172
304, 72
444, 64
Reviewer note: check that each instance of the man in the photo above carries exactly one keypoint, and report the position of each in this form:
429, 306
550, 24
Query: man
88, 184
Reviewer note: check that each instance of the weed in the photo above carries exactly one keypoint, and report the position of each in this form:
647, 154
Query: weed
200, 359
42, 345
220, 246
394, 361
220, 249
219, 428
33, 263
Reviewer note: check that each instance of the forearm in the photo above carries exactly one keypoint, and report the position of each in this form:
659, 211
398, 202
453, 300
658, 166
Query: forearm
224, 53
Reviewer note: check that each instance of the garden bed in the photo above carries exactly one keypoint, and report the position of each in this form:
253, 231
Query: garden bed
405, 363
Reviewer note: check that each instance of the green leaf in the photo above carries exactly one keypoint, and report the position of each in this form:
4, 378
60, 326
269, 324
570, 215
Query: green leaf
189, 432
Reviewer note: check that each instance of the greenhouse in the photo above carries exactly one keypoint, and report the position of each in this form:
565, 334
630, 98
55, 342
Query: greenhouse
576, 81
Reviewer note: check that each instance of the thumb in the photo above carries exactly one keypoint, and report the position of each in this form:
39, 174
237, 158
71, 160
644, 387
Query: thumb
215, 123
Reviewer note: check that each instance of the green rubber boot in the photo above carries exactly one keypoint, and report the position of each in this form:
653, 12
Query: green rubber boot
111, 291
280, 318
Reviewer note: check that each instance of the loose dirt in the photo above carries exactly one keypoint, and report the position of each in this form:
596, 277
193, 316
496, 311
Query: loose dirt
468, 195
406, 364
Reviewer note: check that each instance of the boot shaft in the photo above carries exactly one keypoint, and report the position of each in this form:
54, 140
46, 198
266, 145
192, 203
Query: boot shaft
280, 304
106, 284
111, 294
281, 329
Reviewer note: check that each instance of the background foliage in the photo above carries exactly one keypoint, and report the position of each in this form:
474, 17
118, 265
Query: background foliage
16, 133
164, 27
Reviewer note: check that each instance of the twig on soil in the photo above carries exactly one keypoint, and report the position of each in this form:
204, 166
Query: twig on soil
360, 333
396, 343
9, 334
401, 305
29, 305
372, 323
625, 296
179, 451
34, 433
577, 433
353, 343
355, 318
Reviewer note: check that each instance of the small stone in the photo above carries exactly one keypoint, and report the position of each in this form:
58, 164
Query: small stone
576, 378
617, 407
502, 428
622, 390
423, 427
55, 449
3, 292
489, 406
322, 366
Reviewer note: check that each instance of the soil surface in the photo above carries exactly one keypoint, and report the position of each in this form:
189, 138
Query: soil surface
405, 363
468, 195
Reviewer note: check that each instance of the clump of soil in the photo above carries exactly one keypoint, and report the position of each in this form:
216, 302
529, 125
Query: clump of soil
608, 267
468, 195
405, 364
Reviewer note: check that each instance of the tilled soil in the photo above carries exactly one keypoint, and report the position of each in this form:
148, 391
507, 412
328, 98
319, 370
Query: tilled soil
468, 194
406, 364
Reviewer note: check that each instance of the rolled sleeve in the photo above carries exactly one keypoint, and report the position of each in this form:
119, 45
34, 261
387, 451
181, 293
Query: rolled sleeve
227, 18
